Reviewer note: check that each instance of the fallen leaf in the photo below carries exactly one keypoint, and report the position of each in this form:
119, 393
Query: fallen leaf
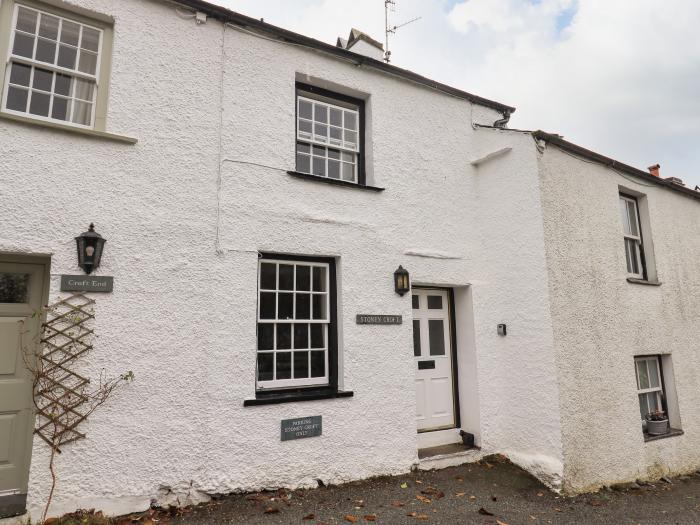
472, 497
271, 510
404, 485
460, 494
485, 512
419, 481
533, 518
351, 518
397, 503
499, 522
540, 494
432, 491
557, 509
311, 516
412, 514
370, 517
487, 464
423, 499
459, 478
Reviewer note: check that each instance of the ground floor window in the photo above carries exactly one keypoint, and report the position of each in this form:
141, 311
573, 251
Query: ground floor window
296, 322
649, 385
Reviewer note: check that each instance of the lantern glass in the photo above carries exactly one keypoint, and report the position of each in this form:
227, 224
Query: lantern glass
401, 281
89, 246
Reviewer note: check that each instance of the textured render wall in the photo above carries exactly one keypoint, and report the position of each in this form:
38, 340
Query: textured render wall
182, 315
601, 321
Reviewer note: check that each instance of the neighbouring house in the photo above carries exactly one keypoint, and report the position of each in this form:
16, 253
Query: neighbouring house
324, 267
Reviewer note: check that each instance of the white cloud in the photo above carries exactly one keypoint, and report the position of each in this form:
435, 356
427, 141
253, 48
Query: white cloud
622, 77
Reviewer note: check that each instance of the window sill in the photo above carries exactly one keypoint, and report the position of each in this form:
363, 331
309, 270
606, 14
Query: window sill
70, 129
326, 180
274, 398
672, 432
634, 280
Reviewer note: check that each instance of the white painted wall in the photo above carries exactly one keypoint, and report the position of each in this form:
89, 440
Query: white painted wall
601, 321
182, 243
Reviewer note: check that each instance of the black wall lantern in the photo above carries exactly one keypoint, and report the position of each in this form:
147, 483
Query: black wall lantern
90, 246
401, 283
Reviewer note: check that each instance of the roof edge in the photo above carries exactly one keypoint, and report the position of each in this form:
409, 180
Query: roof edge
556, 140
226, 15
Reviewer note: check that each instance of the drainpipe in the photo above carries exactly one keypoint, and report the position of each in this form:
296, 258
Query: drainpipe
503, 122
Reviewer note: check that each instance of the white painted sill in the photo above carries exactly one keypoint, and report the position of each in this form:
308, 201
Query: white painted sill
634, 280
70, 129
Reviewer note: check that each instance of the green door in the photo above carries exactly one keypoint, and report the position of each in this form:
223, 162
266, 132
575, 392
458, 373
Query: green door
21, 292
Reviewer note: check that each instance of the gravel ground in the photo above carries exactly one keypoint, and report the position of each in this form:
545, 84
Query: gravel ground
490, 492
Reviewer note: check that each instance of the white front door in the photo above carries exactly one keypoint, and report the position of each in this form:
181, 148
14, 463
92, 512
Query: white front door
432, 350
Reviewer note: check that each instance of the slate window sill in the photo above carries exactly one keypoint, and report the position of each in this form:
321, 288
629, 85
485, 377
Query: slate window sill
334, 182
671, 433
274, 398
643, 281
69, 129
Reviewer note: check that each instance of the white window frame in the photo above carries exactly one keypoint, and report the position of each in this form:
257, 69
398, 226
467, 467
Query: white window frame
635, 256
353, 149
657, 392
33, 63
300, 382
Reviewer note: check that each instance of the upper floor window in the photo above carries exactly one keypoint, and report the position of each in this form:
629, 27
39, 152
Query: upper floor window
329, 134
632, 232
54, 66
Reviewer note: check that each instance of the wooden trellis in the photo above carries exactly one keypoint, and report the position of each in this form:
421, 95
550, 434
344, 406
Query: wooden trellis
60, 393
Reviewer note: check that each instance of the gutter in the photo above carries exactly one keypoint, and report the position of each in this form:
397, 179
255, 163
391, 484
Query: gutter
556, 140
231, 17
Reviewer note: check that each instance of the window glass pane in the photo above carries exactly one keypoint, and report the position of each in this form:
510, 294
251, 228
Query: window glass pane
62, 85
284, 365
304, 163
39, 104
333, 153
301, 364
20, 74
83, 89
305, 128
26, 20
653, 374
23, 46
45, 51
302, 147
350, 120
348, 172
305, 109
416, 302
416, 337
61, 108
265, 363
320, 132
643, 406
303, 277
48, 26
336, 135
319, 166
87, 62
91, 39
632, 255
321, 113
654, 401
336, 117
70, 32
319, 307
350, 138
434, 302
13, 287
285, 306
67, 56
82, 114
268, 278
436, 335
333, 169
319, 279
318, 364
303, 306
284, 336
267, 305
625, 216
348, 157
266, 332
43, 79
642, 375
632, 211
318, 336
286, 277
17, 99
301, 335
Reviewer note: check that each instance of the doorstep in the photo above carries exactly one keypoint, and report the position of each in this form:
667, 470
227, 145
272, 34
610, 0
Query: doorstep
444, 456
17, 520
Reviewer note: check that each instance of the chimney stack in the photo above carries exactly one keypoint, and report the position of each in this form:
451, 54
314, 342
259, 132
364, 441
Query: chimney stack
654, 170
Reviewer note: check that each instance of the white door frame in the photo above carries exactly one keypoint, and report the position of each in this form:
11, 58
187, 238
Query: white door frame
449, 433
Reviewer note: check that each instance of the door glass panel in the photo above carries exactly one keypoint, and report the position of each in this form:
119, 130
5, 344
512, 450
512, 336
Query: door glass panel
13, 287
436, 333
434, 302
416, 302
416, 337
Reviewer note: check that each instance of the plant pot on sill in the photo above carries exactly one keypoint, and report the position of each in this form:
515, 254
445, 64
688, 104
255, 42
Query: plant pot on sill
657, 428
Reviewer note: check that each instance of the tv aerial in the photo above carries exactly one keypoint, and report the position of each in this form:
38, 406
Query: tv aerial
390, 5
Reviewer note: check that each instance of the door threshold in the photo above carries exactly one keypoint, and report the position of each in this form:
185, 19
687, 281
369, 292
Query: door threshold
443, 450
434, 458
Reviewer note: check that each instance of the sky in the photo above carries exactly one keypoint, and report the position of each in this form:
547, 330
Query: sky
620, 77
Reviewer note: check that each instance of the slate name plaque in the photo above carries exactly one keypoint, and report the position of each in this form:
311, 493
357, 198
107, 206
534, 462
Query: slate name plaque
378, 319
301, 427
86, 283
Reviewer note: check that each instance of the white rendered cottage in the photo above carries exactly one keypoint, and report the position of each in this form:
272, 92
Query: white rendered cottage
257, 190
